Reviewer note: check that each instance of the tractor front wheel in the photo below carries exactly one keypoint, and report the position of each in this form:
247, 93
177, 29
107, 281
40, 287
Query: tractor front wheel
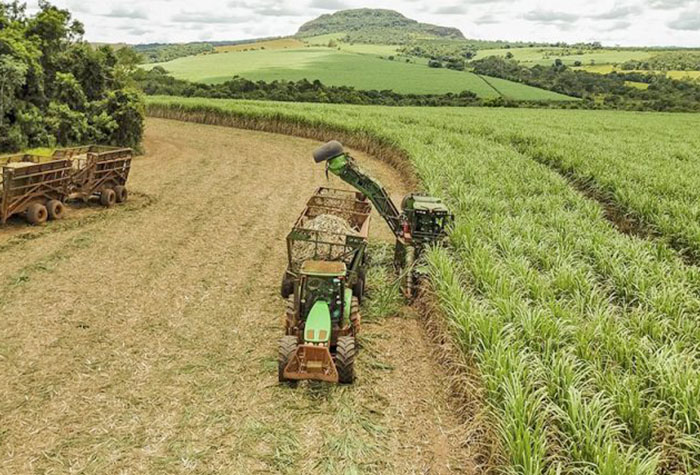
345, 359
287, 348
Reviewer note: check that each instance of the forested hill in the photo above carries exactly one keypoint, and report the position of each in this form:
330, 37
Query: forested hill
375, 25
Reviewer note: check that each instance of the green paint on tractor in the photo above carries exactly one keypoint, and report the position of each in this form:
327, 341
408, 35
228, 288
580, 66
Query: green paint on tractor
318, 323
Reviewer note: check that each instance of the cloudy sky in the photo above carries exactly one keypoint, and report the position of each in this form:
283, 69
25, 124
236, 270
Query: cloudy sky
624, 22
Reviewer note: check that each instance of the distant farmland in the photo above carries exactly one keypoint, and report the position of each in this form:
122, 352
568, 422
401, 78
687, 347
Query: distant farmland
343, 68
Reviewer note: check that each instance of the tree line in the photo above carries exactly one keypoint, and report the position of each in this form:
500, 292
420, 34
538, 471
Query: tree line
157, 81
55, 89
160, 52
668, 61
611, 91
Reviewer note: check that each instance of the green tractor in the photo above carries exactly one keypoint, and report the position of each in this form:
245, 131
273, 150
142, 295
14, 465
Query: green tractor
322, 321
422, 222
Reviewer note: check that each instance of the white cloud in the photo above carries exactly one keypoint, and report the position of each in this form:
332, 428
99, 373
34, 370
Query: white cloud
646, 22
689, 21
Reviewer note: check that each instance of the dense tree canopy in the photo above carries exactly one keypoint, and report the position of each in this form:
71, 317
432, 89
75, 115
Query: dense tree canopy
55, 89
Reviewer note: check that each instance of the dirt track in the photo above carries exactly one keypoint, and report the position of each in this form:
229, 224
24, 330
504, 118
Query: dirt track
143, 338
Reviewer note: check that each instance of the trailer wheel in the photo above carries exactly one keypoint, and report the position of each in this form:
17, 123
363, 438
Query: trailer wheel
358, 290
56, 209
287, 348
287, 287
37, 213
121, 193
345, 359
108, 197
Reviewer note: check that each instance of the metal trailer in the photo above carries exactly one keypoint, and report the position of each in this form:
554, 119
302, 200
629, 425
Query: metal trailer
305, 244
98, 171
36, 189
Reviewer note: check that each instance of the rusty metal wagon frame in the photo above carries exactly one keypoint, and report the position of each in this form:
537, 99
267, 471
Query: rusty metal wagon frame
347, 248
97, 169
34, 183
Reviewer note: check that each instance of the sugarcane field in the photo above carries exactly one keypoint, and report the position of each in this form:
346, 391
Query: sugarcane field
328, 237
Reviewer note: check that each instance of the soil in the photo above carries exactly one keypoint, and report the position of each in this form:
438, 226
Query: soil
143, 338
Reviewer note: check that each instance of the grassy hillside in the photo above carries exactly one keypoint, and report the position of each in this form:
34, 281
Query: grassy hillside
375, 26
584, 337
342, 68
281, 43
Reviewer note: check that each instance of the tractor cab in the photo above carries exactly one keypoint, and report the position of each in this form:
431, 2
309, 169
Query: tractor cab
323, 285
320, 342
427, 217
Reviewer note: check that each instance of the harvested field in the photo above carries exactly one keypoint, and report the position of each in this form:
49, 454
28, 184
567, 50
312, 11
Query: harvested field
143, 339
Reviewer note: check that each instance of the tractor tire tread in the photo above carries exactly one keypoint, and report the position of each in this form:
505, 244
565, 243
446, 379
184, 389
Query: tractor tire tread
287, 346
345, 359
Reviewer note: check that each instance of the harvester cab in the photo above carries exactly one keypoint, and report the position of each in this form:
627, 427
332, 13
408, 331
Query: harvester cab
321, 326
422, 222
427, 217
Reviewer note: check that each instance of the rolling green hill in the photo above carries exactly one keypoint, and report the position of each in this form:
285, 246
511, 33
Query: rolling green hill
375, 26
344, 68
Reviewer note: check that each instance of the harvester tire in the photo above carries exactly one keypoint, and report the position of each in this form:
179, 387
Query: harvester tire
287, 348
355, 318
108, 197
287, 286
37, 214
122, 194
56, 209
345, 359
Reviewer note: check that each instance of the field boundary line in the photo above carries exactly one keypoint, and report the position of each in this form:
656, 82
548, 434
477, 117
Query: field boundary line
464, 383
500, 94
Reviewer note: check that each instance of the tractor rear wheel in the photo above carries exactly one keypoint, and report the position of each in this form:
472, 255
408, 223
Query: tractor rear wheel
287, 348
121, 193
345, 359
37, 213
56, 209
289, 316
355, 318
108, 197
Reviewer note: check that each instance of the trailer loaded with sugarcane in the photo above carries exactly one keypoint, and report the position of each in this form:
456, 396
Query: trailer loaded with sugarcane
325, 276
323, 285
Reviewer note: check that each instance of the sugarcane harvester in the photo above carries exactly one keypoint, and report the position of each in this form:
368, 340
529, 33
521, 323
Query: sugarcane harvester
422, 222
